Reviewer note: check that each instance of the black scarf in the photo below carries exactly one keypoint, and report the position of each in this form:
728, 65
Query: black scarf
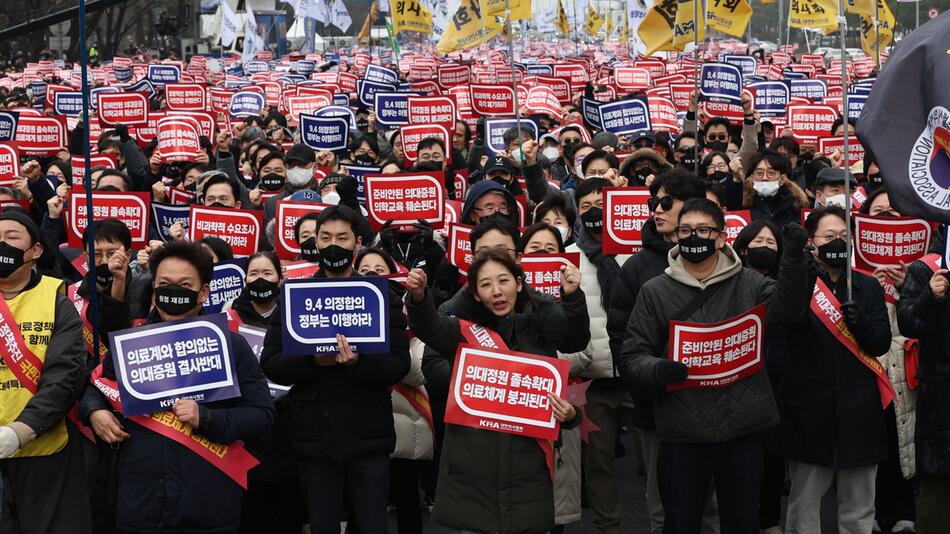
607, 267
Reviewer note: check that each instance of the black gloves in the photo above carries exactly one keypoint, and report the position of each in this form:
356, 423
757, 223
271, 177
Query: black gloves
668, 372
424, 235
123, 132
387, 235
849, 311
794, 238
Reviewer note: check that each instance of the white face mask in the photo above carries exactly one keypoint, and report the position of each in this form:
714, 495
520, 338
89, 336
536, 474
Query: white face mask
765, 189
551, 152
332, 198
518, 156
578, 170
835, 200
299, 176
563, 230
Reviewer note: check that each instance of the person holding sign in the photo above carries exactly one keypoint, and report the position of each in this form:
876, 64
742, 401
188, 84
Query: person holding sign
42, 367
709, 431
341, 423
493, 481
258, 300
163, 484
835, 391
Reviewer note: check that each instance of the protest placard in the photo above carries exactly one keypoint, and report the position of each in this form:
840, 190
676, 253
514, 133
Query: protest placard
132, 208
288, 213
889, 241
405, 198
242, 229
543, 271
130, 109
625, 212
227, 282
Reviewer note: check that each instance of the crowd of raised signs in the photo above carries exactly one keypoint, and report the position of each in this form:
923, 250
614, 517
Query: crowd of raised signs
583, 168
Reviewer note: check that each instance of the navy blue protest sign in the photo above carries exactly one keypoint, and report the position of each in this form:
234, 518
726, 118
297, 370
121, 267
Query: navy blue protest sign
227, 282
338, 111
860, 88
392, 109
720, 82
38, 90
359, 172
142, 86
246, 104
161, 74
590, 111
67, 103
123, 74
291, 79
94, 94
255, 338
368, 90
625, 116
164, 216
305, 66
543, 70
378, 74
856, 104
324, 133
495, 131
747, 64
815, 90
8, 122
340, 99
771, 97
158, 364
794, 75
252, 67
314, 311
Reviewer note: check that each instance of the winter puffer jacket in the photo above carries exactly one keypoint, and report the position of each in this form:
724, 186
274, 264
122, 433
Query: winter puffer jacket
905, 405
413, 435
697, 415
491, 481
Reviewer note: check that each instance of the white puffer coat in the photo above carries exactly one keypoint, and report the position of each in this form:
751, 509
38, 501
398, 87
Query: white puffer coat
905, 405
414, 440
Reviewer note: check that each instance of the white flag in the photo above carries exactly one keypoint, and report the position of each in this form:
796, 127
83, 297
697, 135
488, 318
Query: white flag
229, 24
252, 41
310, 9
340, 16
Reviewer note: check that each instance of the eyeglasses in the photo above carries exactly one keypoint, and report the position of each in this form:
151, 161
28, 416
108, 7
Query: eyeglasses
831, 236
721, 166
488, 210
717, 137
663, 202
431, 157
771, 174
704, 232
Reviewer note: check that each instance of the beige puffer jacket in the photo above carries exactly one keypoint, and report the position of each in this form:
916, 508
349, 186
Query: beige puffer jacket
905, 405
414, 438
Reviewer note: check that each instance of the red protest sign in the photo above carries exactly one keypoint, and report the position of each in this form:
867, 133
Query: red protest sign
560, 86
731, 112
575, 73
308, 104
432, 110
123, 108
889, 241
452, 75
178, 139
625, 212
128, 207
718, 354
543, 271
505, 391
296, 270
632, 78
179, 196
459, 250
662, 114
541, 99
735, 222
9, 164
679, 94
828, 146
412, 134
242, 229
810, 122
185, 97
220, 99
288, 213
655, 67
491, 100
405, 199
207, 125
77, 165
40, 136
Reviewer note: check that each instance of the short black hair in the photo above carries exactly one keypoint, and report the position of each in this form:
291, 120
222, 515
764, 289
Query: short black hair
680, 184
222, 179
600, 154
839, 121
718, 191
368, 139
555, 202
751, 231
681, 136
538, 227
511, 134
189, 251
312, 216
430, 142
815, 217
502, 224
588, 186
340, 213
776, 160
707, 161
271, 155
220, 247
269, 256
705, 206
570, 128
466, 130
790, 145
106, 171
717, 121
110, 230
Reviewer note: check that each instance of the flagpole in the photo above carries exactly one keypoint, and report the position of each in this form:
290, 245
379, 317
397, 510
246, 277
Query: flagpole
576, 53
514, 79
877, 36
93, 310
781, 9
843, 30
696, 69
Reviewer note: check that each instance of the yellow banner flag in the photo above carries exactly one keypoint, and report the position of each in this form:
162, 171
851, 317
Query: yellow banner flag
814, 14
656, 28
609, 29
467, 29
562, 22
768, 1
860, 7
593, 22
410, 15
685, 28
520, 9
870, 43
729, 16
370, 17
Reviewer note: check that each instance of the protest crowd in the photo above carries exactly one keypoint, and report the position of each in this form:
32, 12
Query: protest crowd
438, 286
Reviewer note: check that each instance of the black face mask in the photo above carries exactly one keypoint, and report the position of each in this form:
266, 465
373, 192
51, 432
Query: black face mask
643, 174
362, 124
217, 205
762, 258
175, 300
876, 179
719, 177
428, 166
887, 214
335, 259
366, 159
717, 146
695, 249
834, 253
11, 259
593, 220
272, 181
688, 160
262, 290
103, 274
308, 250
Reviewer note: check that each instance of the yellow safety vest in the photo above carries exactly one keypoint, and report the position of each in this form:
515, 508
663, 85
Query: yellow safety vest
35, 314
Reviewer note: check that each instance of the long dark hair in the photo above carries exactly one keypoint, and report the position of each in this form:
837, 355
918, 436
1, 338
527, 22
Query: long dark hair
511, 266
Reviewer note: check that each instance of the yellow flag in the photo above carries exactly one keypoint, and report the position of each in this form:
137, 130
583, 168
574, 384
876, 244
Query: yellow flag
656, 29
768, 1
610, 26
885, 28
684, 30
593, 22
728, 16
466, 29
520, 9
562, 22
814, 14
410, 15
370, 17
860, 7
